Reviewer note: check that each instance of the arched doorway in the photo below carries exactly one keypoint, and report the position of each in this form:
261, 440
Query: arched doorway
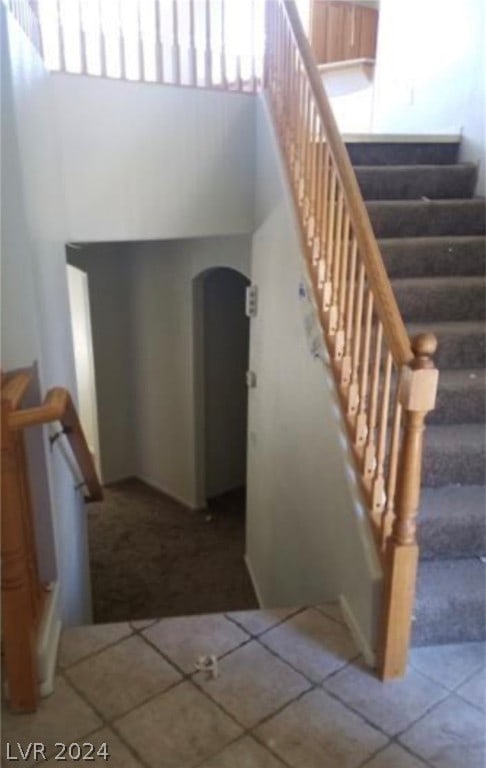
221, 334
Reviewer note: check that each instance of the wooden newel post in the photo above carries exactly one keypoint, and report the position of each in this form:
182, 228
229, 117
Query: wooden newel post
18, 625
417, 393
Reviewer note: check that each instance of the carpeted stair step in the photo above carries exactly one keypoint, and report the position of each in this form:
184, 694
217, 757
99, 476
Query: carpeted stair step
427, 256
454, 454
441, 299
452, 522
461, 344
403, 153
412, 218
413, 182
461, 397
450, 604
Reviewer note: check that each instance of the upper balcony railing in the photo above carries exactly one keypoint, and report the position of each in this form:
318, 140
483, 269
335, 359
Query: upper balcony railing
203, 43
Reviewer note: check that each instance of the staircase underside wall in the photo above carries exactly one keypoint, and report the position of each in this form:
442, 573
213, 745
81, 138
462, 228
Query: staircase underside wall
307, 538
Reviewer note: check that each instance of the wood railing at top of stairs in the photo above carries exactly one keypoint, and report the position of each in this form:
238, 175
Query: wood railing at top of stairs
387, 382
23, 594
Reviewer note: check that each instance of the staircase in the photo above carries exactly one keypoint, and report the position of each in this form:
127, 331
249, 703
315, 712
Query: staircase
431, 232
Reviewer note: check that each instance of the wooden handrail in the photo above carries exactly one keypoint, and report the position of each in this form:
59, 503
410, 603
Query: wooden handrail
58, 406
386, 304
387, 383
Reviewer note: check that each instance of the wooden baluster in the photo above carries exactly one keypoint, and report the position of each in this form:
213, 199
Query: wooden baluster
192, 46
304, 193
323, 218
159, 49
319, 194
224, 79
286, 93
208, 56
292, 106
362, 420
346, 364
369, 460
329, 246
82, 40
378, 489
336, 265
102, 40
253, 55
121, 43
311, 224
304, 180
353, 393
417, 393
299, 109
239, 77
18, 630
340, 338
140, 48
176, 51
60, 37
391, 480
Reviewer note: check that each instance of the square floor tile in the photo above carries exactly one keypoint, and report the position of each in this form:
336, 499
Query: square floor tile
318, 732
63, 716
178, 729
183, 640
142, 624
332, 610
392, 706
394, 756
452, 735
474, 689
256, 622
245, 753
122, 676
253, 684
79, 642
449, 665
313, 643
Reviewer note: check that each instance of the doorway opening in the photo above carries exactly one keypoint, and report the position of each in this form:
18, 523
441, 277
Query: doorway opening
221, 346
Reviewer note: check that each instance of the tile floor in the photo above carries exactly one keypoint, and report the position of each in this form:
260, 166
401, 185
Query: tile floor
291, 690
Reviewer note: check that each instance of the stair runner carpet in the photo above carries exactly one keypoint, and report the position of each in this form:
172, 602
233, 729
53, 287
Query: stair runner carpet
431, 231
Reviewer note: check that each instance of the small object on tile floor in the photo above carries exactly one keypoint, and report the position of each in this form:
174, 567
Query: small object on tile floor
209, 665
209, 518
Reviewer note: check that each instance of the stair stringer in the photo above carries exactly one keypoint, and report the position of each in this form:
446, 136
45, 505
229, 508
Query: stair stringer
309, 538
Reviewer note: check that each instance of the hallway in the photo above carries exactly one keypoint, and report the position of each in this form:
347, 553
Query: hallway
152, 557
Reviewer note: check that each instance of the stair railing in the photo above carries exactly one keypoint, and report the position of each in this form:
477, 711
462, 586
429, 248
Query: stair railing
23, 594
387, 382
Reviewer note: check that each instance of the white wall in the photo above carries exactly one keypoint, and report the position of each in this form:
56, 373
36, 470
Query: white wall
144, 161
306, 538
166, 414
430, 70
84, 358
109, 292
35, 310
226, 347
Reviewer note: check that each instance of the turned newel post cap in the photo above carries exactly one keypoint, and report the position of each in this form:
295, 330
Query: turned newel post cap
424, 346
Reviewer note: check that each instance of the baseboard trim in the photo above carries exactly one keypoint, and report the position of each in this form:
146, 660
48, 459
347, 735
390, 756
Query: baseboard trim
258, 594
357, 632
172, 496
48, 641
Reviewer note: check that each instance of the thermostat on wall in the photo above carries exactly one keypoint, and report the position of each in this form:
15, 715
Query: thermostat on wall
251, 301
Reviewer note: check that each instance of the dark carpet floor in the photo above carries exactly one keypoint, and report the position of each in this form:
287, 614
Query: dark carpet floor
151, 557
